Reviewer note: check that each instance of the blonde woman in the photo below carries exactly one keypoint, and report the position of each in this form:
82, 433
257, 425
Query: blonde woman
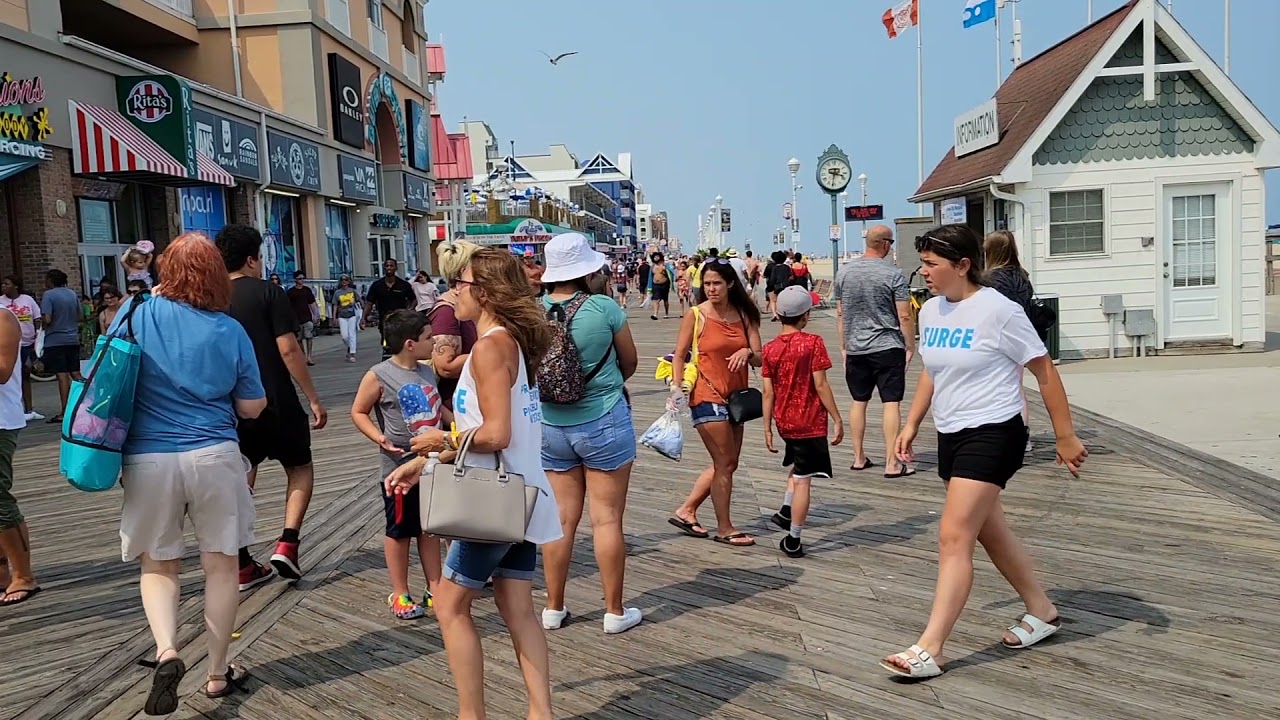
454, 338
1003, 272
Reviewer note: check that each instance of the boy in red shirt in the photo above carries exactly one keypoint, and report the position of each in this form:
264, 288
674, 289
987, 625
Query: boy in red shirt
798, 398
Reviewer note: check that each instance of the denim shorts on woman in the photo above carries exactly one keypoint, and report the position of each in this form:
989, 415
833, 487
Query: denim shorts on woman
471, 564
708, 412
605, 444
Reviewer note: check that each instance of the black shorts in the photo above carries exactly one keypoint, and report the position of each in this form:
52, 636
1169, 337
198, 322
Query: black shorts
403, 513
988, 453
61, 359
808, 457
661, 292
620, 289
884, 370
27, 355
282, 433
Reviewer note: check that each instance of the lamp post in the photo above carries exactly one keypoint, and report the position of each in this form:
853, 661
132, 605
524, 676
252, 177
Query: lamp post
862, 182
793, 165
844, 203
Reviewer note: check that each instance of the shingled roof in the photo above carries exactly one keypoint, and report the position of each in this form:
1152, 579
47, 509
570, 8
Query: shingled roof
1024, 102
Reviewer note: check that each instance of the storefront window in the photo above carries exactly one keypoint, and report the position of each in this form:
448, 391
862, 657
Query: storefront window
337, 230
204, 210
410, 248
382, 248
280, 242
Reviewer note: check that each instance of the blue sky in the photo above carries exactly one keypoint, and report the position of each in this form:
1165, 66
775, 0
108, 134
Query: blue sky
714, 96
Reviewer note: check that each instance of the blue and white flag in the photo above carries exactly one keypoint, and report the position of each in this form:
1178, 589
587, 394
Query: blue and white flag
977, 12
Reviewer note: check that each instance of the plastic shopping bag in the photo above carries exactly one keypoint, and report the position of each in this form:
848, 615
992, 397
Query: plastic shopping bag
666, 434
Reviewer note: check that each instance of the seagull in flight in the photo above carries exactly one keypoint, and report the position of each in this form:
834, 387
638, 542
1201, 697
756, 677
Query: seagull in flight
556, 60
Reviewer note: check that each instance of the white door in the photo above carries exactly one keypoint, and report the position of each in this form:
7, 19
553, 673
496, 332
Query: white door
1197, 277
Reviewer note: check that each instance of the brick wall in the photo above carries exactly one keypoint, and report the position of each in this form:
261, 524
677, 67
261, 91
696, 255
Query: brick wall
44, 209
244, 210
163, 211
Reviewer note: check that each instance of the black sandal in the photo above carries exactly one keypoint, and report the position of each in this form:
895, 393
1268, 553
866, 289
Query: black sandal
692, 529
234, 678
163, 698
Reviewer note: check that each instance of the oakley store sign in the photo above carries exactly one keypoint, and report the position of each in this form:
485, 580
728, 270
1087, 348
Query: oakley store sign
23, 128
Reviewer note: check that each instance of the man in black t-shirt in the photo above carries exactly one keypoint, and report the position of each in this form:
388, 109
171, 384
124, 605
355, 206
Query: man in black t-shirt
387, 295
304, 306
283, 431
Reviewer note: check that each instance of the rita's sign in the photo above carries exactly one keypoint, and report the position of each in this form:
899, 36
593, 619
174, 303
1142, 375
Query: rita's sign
160, 106
23, 132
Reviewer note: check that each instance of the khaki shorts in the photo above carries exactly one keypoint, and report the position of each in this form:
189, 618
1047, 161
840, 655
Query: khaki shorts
161, 490
306, 331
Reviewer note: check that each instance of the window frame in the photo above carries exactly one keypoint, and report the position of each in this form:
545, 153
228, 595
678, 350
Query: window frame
1104, 251
374, 9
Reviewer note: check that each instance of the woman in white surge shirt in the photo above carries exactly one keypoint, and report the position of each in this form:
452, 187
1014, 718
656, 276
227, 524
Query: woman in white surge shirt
974, 343
498, 403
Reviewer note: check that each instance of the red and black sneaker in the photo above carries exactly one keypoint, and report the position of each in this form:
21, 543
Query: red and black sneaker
254, 575
285, 560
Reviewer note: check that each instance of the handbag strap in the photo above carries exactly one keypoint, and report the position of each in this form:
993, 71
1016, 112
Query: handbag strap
464, 449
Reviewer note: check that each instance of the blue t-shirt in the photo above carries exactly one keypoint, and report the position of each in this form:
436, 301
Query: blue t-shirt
194, 362
61, 310
592, 331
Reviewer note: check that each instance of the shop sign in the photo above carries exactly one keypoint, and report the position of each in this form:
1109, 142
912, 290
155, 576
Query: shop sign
417, 193
160, 106
358, 178
488, 240
726, 220
955, 211
294, 163
203, 209
344, 97
385, 221
23, 133
977, 129
419, 143
530, 231
230, 143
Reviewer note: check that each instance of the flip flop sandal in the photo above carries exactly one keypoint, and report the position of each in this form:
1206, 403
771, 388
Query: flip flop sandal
689, 528
27, 594
729, 539
905, 472
163, 698
234, 678
922, 664
869, 465
1039, 631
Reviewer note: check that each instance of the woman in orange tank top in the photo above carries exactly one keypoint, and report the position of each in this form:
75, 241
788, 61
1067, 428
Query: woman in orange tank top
728, 339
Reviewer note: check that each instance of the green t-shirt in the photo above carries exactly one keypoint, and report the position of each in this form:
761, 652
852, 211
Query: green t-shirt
592, 331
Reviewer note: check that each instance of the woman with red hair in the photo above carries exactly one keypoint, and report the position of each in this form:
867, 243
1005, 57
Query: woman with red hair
182, 459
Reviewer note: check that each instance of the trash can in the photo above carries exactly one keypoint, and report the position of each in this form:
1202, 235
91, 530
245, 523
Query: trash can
1052, 342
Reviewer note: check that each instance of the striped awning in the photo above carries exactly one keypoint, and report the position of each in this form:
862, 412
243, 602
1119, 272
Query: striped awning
103, 142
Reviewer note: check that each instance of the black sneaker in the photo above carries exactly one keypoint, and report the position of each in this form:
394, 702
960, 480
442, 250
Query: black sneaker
792, 547
781, 520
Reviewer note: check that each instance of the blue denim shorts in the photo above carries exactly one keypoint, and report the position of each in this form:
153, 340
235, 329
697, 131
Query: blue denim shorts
606, 443
471, 564
709, 412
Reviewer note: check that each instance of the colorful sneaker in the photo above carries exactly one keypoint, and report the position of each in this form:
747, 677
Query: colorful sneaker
254, 575
426, 598
404, 608
285, 560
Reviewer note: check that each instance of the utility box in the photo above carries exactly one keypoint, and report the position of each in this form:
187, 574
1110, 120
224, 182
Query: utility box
1052, 342
1112, 304
1140, 323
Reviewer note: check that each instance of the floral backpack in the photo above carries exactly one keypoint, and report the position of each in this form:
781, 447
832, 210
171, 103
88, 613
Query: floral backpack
561, 379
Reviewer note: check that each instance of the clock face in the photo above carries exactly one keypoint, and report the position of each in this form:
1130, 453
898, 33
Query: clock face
833, 174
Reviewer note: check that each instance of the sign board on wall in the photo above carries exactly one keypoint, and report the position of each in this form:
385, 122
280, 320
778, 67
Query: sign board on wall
294, 163
22, 133
160, 106
344, 98
419, 140
530, 231
358, 178
230, 143
955, 211
977, 129
203, 209
417, 193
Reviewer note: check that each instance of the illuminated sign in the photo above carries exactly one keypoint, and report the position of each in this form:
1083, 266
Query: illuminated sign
23, 133
855, 213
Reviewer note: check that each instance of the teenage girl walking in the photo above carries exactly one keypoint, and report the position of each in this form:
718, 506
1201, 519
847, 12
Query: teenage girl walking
974, 343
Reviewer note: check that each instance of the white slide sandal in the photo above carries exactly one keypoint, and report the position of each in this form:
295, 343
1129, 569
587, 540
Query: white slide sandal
922, 664
1039, 631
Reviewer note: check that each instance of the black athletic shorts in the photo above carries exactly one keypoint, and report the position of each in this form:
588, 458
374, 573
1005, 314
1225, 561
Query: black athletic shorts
402, 512
660, 292
61, 359
620, 289
883, 370
808, 457
989, 453
282, 433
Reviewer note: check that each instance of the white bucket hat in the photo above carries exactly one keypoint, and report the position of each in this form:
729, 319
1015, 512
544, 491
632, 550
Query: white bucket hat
569, 257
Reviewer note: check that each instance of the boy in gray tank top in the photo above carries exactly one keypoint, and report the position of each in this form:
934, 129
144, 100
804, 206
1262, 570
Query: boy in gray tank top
400, 393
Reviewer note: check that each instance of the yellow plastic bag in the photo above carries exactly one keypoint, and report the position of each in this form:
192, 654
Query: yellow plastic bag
665, 366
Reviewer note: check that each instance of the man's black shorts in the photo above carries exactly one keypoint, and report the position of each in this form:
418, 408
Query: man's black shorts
883, 370
808, 457
61, 359
660, 292
282, 433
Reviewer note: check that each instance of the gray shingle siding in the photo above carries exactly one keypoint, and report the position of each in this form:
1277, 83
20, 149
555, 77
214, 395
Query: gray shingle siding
1130, 53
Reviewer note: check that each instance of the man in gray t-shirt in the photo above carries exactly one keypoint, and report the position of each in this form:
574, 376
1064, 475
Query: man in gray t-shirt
60, 315
877, 337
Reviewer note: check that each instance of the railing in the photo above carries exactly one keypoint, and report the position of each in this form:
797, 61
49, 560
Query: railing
378, 42
412, 67
177, 7
338, 13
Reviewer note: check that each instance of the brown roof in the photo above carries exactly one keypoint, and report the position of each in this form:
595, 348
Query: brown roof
1024, 101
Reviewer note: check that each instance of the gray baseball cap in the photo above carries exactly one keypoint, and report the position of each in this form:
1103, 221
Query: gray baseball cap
794, 302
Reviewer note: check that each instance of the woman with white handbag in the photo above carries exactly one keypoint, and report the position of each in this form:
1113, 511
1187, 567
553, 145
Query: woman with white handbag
499, 415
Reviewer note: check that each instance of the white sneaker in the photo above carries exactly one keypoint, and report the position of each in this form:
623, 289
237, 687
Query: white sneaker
33, 415
553, 619
1030, 446
614, 624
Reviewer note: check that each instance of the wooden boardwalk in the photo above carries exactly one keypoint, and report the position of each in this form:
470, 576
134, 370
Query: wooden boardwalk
1162, 560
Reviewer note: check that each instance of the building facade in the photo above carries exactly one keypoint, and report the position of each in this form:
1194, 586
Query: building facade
1130, 168
138, 119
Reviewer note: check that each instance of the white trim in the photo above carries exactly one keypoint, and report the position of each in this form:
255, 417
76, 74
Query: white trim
1126, 70
1049, 257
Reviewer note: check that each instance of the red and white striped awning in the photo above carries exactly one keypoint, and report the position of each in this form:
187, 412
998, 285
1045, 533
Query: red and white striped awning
103, 142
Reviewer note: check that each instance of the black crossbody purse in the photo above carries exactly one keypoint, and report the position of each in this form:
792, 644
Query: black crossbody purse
746, 404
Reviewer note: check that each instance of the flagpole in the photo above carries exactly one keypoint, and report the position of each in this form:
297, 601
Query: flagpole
999, 70
919, 103
1226, 46
1090, 5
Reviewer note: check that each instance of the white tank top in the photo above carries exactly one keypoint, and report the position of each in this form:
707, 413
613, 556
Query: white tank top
524, 455
12, 416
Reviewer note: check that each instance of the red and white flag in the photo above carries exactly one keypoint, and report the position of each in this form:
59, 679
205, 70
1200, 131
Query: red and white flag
898, 20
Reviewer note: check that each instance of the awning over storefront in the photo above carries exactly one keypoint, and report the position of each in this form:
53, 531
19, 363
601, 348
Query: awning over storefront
105, 143
10, 166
